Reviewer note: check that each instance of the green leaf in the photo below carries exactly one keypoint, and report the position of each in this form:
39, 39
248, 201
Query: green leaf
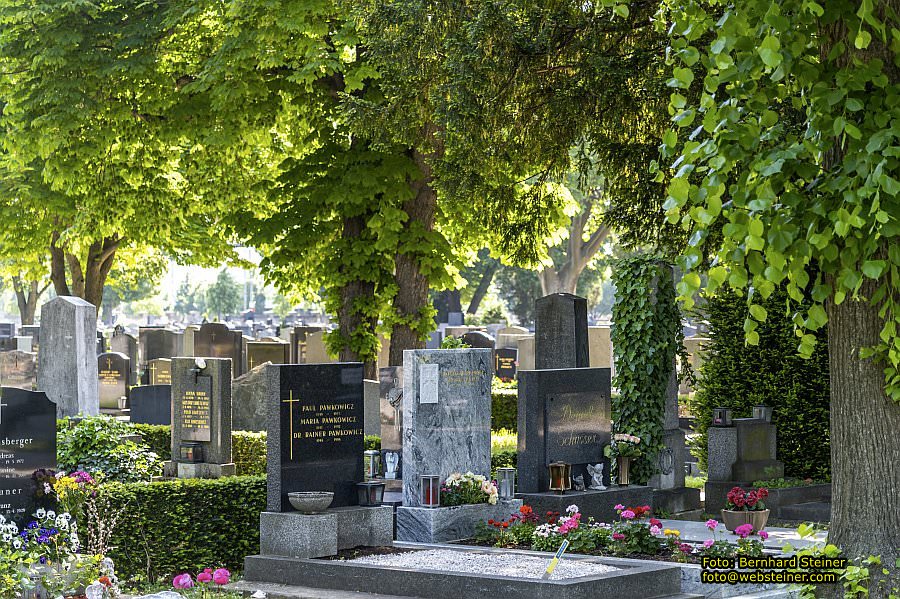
758, 312
769, 51
874, 268
621, 10
863, 39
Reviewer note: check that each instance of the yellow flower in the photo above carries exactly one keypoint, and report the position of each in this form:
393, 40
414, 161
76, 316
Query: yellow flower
672, 533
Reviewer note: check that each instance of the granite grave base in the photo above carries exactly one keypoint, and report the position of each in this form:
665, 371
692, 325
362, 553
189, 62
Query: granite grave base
597, 504
443, 524
632, 579
292, 534
201, 470
677, 501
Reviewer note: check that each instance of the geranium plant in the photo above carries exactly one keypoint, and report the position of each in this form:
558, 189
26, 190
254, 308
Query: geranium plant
754, 500
624, 445
468, 488
205, 582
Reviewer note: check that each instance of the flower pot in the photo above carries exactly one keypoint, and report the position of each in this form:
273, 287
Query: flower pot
623, 464
735, 518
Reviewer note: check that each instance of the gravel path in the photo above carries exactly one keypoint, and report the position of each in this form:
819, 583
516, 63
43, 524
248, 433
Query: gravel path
495, 564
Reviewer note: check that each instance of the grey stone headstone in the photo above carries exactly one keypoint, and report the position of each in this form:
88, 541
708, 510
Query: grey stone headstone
124, 343
215, 340
455, 319
18, 369
298, 337
249, 400
201, 407
113, 378
390, 381
560, 332
446, 415
372, 407
151, 404
315, 431
24, 344
7, 329
434, 340
159, 371
67, 361
479, 339
564, 415
157, 342
259, 352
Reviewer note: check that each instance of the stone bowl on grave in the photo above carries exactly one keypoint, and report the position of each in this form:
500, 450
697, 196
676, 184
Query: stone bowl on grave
311, 502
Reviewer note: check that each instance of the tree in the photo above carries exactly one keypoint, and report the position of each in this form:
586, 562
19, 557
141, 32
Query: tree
224, 297
189, 298
95, 155
785, 169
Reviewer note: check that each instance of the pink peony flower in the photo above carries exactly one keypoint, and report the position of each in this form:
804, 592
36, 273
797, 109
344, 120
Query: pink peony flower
619, 506
204, 577
628, 515
708, 543
744, 530
711, 524
617, 536
183, 581
221, 576
763, 535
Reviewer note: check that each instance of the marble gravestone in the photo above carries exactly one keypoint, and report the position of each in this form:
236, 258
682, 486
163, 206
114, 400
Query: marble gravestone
560, 332
27, 444
315, 431
505, 363
201, 413
564, 415
67, 362
159, 371
113, 378
151, 404
215, 340
446, 415
18, 369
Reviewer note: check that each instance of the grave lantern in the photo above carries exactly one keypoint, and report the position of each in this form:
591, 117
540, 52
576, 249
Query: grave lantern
762, 413
371, 493
430, 490
721, 417
372, 463
506, 482
560, 476
191, 452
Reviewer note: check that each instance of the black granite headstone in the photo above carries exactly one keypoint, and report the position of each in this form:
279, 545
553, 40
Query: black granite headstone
157, 342
564, 415
7, 329
215, 340
27, 444
315, 431
506, 361
151, 404
560, 332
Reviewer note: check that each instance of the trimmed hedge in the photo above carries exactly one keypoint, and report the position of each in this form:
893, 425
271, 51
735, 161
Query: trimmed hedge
158, 438
505, 409
248, 450
739, 376
165, 528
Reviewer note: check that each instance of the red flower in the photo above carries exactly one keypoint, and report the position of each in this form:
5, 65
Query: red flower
655, 522
491, 521
762, 493
506, 525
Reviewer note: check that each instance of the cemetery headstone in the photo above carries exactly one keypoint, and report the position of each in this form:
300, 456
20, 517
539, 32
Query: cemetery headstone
260, 352
151, 404
315, 349
509, 336
7, 329
525, 345
101, 343
201, 417
564, 415
372, 407
24, 343
159, 371
434, 340
505, 363
297, 337
446, 415
27, 444
187, 340
114, 378
215, 340
67, 362
33, 331
124, 343
249, 397
560, 332
600, 347
18, 369
315, 431
157, 342
479, 339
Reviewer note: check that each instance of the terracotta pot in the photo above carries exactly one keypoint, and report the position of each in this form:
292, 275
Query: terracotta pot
735, 518
623, 465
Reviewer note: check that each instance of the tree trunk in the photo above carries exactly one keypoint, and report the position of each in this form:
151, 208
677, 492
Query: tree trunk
865, 445
352, 318
88, 280
562, 281
412, 284
483, 285
578, 253
27, 295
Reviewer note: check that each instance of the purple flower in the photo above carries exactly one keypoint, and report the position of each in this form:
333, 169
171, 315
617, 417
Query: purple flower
712, 524
708, 543
763, 535
744, 530
628, 515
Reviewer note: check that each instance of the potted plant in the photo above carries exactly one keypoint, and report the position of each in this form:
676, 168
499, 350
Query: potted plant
746, 507
624, 448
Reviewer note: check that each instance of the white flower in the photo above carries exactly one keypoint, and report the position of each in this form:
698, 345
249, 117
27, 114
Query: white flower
47, 489
572, 509
51, 515
40, 513
17, 543
60, 475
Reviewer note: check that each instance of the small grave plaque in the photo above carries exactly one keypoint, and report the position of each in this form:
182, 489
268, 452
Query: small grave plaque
160, 371
196, 410
505, 365
113, 371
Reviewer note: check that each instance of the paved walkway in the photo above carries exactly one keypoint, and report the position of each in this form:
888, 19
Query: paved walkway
697, 532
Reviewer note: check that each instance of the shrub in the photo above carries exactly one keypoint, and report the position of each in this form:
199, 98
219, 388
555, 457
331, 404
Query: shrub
735, 375
157, 437
96, 445
164, 528
505, 409
248, 450
372, 442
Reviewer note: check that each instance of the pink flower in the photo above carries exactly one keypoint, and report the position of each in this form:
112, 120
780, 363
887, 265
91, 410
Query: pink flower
618, 507
711, 524
617, 536
685, 548
655, 530
744, 530
221, 576
183, 581
708, 543
627, 514
204, 577
763, 535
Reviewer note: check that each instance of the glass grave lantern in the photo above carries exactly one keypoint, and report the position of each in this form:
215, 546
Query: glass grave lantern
721, 416
430, 490
370, 493
762, 413
191, 452
560, 476
506, 482
372, 463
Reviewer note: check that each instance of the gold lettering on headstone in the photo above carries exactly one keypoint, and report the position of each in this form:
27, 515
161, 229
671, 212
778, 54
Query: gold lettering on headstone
322, 423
